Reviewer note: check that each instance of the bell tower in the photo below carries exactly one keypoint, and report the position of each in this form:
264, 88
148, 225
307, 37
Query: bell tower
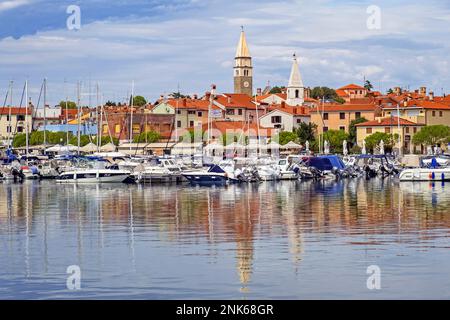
243, 70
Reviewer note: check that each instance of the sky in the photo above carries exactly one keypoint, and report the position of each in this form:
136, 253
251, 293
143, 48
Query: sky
190, 44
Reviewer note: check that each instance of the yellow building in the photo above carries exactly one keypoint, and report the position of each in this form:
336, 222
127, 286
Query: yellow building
390, 125
339, 116
421, 111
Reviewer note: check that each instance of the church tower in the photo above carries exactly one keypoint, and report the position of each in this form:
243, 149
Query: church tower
243, 70
295, 89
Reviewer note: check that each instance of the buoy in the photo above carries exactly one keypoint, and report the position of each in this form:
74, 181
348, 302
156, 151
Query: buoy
433, 176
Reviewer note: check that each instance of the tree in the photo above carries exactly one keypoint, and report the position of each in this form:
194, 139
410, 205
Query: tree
368, 85
374, 140
352, 129
276, 89
139, 101
339, 100
285, 137
178, 95
390, 91
336, 139
106, 139
84, 140
432, 135
148, 137
70, 105
323, 92
306, 132
110, 104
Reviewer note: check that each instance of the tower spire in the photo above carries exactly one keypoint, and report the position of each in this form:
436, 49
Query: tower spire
295, 90
242, 49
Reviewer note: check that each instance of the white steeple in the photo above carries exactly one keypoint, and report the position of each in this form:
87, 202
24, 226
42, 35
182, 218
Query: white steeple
295, 90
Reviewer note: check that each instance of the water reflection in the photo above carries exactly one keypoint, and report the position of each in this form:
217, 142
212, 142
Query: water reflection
187, 239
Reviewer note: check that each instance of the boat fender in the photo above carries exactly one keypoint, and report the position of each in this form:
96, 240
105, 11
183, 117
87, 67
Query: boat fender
430, 176
443, 176
433, 176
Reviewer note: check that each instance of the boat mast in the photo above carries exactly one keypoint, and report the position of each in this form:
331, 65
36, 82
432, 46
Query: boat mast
257, 127
26, 120
45, 114
67, 112
10, 112
79, 117
131, 115
99, 120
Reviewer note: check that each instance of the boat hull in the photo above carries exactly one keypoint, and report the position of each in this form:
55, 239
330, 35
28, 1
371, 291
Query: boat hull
425, 175
93, 176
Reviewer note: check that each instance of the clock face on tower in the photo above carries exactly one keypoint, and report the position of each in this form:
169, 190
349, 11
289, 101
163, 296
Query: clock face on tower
246, 84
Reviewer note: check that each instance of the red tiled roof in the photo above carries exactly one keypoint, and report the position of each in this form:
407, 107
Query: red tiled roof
425, 104
236, 100
387, 122
296, 111
193, 104
352, 86
14, 110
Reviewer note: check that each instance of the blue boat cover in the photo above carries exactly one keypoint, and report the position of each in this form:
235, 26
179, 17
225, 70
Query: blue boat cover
216, 169
326, 163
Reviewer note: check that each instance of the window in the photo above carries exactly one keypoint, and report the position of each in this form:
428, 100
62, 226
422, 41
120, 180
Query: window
240, 112
342, 128
19, 129
357, 115
20, 118
191, 124
368, 130
342, 115
178, 124
117, 128
8, 129
297, 94
276, 119
200, 114
299, 120
237, 72
407, 130
105, 129
325, 116
7, 118
136, 128
387, 130
440, 114
178, 111
191, 112
325, 129
415, 130
434, 113
230, 112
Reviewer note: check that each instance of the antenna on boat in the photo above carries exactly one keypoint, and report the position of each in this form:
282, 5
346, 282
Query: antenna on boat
26, 120
79, 116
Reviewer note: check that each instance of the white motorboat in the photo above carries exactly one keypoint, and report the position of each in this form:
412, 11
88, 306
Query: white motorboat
287, 168
162, 170
93, 176
425, 174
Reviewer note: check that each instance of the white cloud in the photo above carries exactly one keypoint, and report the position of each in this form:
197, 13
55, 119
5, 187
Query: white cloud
332, 41
12, 4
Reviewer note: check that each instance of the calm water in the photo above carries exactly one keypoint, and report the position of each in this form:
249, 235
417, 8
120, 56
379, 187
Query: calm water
290, 240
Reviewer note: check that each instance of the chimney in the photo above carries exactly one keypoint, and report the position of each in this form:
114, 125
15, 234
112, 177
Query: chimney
405, 103
184, 102
431, 95
398, 91
195, 97
259, 92
207, 95
423, 91
283, 104
379, 119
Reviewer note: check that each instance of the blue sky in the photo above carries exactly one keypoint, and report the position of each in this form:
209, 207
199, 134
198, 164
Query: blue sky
191, 43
